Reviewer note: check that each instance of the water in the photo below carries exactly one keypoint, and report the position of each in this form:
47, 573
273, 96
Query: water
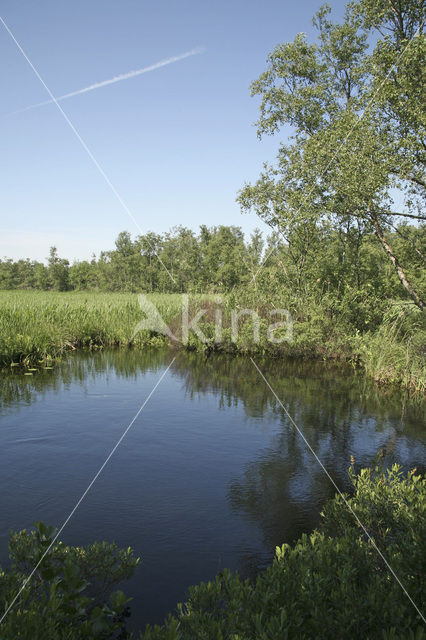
212, 474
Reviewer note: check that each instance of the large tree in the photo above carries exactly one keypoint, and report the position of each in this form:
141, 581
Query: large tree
354, 101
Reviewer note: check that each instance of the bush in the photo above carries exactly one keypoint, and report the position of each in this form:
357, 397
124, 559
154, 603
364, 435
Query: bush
395, 353
330, 584
70, 594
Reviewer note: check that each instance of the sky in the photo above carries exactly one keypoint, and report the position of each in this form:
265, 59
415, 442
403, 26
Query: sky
176, 143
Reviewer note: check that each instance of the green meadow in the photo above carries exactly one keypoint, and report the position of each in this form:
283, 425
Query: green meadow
38, 325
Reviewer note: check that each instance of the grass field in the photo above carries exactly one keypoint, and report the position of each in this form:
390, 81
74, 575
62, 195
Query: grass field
35, 325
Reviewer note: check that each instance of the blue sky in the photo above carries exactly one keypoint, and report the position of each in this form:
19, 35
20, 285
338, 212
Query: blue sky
177, 143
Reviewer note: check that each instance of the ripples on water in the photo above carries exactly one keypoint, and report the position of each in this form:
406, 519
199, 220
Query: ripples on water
211, 475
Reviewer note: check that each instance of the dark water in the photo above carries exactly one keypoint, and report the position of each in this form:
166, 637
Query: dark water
212, 474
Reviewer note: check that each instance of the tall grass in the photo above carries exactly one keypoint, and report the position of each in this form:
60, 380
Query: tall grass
395, 353
37, 325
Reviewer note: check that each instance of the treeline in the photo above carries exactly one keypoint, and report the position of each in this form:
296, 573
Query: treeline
220, 259
176, 261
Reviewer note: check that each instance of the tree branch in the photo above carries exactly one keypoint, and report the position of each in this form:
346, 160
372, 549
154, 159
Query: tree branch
407, 215
416, 249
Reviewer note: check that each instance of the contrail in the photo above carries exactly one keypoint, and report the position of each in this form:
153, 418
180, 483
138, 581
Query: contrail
119, 78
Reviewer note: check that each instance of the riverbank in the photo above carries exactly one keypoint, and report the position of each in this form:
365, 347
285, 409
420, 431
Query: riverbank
38, 327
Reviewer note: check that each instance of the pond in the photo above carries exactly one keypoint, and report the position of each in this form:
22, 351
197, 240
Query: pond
212, 473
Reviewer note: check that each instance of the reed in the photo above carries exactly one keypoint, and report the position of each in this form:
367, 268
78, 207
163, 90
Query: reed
37, 325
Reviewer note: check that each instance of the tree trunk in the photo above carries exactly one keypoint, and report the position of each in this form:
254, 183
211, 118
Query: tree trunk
401, 275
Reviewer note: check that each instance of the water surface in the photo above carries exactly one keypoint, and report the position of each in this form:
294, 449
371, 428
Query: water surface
212, 474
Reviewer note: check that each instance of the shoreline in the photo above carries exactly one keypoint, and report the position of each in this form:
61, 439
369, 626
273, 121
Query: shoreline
38, 328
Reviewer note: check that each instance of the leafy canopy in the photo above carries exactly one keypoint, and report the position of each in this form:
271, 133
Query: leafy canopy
354, 101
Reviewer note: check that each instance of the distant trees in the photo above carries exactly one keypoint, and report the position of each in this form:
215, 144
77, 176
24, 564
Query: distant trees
23, 274
175, 261
82, 276
57, 270
314, 260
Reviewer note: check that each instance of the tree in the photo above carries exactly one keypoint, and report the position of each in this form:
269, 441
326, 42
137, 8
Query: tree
251, 256
80, 275
58, 270
148, 246
221, 250
125, 262
359, 129
41, 276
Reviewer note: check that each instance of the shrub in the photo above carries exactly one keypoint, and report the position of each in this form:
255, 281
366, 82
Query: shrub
70, 594
330, 584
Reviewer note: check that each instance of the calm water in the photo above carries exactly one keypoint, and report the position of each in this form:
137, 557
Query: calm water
211, 475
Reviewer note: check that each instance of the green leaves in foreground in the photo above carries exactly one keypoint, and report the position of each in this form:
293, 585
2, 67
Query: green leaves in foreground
70, 594
330, 584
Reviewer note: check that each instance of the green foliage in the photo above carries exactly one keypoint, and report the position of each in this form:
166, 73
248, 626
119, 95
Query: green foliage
217, 259
330, 584
58, 274
396, 351
387, 339
339, 251
353, 99
69, 596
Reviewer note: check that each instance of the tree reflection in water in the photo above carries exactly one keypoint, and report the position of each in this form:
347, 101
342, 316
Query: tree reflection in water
281, 491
